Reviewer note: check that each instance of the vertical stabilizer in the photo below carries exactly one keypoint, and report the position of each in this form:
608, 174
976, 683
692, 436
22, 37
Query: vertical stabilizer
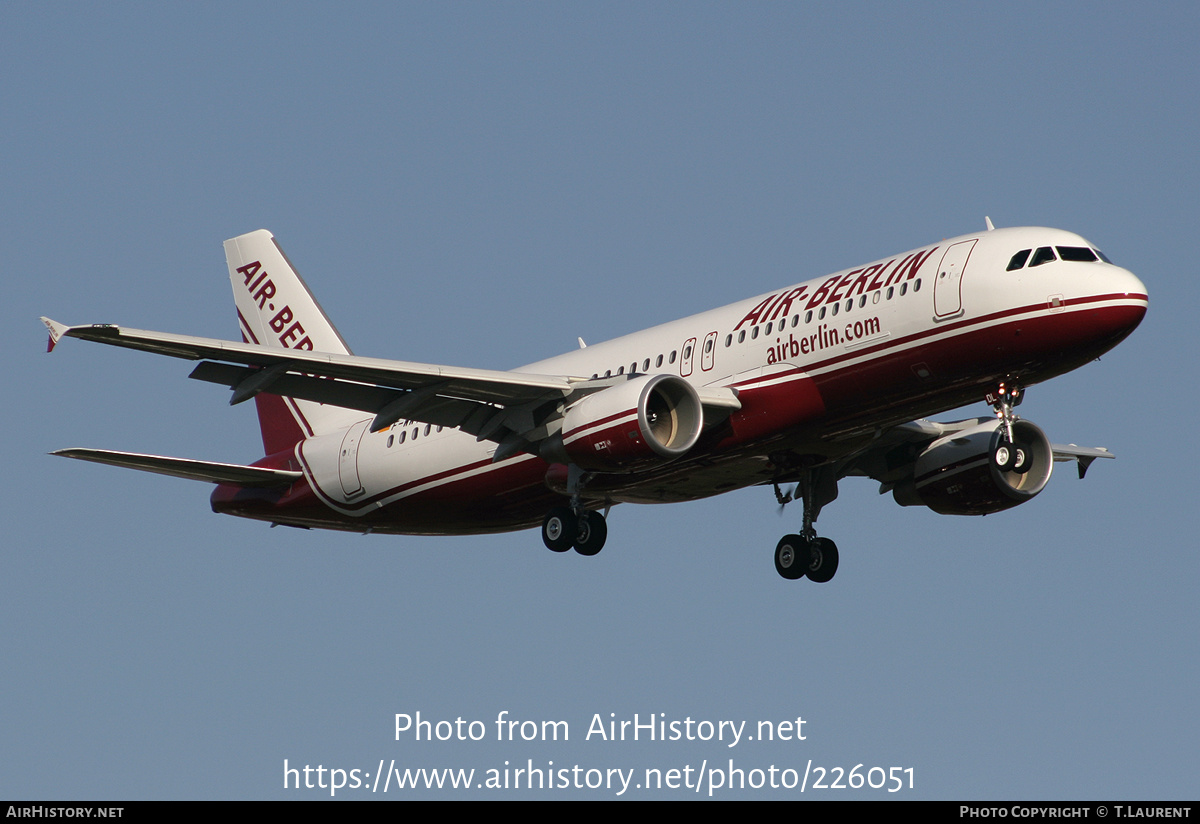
275, 308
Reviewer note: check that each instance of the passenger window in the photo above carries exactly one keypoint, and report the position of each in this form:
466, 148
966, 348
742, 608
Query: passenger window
728, 341
754, 333
646, 365
708, 345
1018, 260
808, 316
671, 359
1044, 254
658, 362
742, 336
917, 285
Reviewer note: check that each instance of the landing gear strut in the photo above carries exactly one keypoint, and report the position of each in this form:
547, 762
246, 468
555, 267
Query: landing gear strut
797, 556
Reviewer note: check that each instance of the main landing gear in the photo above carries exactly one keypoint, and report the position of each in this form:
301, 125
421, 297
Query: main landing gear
806, 555
563, 529
575, 526
797, 556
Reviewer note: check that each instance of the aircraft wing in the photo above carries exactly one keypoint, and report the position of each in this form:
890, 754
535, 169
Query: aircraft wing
218, 473
516, 407
473, 384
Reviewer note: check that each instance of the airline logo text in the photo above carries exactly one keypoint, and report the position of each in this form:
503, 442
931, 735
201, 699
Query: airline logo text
821, 338
857, 282
261, 288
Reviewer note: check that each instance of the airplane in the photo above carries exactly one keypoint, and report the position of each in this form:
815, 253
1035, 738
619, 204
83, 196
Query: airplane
794, 390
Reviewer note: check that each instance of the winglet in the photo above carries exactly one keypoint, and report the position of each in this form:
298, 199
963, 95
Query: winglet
57, 330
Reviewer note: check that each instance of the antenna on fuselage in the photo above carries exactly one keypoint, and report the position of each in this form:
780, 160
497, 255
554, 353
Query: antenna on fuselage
988, 221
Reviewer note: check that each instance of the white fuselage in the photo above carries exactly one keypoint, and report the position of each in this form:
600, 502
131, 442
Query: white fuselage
903, 337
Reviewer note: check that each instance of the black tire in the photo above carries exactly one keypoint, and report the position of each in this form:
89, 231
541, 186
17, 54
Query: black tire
791, 557
590, 533
823, 560
1022, 459
559, 529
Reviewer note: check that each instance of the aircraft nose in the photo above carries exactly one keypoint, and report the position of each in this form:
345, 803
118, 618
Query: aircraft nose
1127, 301
1133, 285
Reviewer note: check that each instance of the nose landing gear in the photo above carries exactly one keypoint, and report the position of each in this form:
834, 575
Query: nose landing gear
1009, 455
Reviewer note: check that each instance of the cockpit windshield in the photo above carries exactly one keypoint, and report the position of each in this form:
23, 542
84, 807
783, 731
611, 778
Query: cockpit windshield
1081, 253
1046, 254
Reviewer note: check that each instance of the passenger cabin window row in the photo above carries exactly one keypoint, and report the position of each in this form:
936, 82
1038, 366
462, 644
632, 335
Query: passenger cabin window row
1045, 254
633, 367
395, 439
820, 314
765, 330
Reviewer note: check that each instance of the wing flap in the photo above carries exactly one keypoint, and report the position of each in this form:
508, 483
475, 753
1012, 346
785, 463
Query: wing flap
217, 473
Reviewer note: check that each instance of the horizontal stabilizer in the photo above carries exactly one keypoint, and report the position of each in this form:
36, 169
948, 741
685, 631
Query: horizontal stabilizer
217, 473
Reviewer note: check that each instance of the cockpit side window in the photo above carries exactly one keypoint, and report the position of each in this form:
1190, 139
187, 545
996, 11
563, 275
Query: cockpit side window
1018, 260
1080, 253
1044, 254
1103, 256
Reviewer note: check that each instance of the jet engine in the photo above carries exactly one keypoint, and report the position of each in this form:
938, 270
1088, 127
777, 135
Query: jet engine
977, 471
645, 421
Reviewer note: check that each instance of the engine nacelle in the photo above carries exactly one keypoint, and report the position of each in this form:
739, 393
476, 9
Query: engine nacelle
643, 422
959, 474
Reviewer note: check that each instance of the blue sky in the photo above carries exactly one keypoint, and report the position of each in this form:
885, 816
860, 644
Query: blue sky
478, 184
